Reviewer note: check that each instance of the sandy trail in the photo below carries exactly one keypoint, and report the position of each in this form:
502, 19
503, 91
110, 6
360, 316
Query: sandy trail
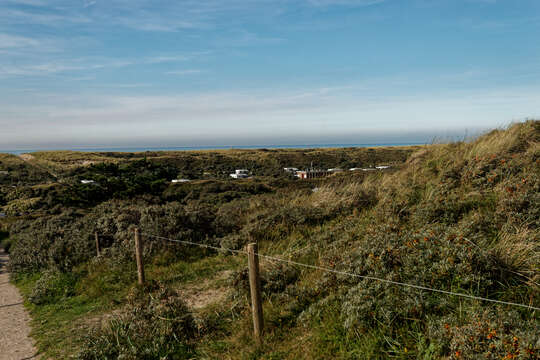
15, 342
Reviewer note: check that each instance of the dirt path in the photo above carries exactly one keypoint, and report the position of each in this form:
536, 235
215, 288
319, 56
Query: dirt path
15, 342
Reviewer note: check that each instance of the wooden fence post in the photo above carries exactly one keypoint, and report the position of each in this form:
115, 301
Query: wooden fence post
255, 287
139, 256
98, 250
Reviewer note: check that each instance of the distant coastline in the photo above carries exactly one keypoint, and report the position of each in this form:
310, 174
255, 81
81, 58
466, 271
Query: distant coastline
210, 147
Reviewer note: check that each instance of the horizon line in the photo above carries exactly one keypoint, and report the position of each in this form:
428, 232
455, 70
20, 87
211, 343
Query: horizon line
134, 149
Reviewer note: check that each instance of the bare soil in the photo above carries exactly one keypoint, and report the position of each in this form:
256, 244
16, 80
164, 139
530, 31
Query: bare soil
15, 341
26, 157
202, 294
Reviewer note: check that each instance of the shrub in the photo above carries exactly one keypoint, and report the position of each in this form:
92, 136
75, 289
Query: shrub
489, 334
5, 242
156, 326
51, 286
278, 277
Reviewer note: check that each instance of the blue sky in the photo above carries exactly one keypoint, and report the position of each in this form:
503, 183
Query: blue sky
76, 73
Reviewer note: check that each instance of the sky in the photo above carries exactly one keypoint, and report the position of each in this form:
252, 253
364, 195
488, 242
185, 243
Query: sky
94, 73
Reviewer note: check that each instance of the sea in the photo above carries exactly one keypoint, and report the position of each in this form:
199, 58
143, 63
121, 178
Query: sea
210, 147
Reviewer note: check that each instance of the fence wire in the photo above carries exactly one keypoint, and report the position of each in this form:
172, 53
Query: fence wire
338, 272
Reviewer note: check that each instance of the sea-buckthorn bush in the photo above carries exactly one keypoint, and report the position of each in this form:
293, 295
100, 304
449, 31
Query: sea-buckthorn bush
278, 277
275, 278
487, 334
429, 257
46, 243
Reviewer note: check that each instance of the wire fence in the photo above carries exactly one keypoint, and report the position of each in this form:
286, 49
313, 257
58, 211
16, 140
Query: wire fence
344, 273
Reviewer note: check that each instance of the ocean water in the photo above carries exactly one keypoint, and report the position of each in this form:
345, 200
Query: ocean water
212, 147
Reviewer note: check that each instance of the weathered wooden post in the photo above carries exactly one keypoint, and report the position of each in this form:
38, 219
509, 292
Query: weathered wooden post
139, 256
98, 250
255, 287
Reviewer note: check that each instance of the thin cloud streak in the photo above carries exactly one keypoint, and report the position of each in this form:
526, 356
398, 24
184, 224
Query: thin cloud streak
352, 3
136, 14
8, 41
82, 65
14, 16
185, 72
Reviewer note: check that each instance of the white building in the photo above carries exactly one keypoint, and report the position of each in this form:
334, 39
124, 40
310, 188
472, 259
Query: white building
291, 169
240, 174
312, 174
87, 181
176, 181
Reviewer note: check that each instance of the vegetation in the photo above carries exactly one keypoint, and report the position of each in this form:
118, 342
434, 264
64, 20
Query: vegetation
157, 326
14, 171
461, 217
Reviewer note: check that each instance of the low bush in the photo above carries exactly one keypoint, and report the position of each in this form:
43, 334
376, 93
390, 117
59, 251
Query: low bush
51, 286
5, 242
156, 325
487, 334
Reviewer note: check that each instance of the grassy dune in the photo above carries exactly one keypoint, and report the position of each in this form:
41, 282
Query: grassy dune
461, 217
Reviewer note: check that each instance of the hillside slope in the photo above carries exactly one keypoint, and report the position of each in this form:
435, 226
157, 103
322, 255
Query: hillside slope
461, 217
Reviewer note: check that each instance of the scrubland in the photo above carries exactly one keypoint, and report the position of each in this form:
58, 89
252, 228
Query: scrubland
461, 217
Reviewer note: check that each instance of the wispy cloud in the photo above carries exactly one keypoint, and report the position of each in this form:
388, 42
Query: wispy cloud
36, 70
82, 65
168, 58
241, 38
185, 72
141, 15
88, 3
82, 78
50, 68
28, 2
13, 41
53, 19
345, 2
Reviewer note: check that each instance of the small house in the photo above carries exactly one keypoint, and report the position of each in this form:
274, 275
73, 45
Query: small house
312, 174
240, 174
87, 182
176, 181
3, 215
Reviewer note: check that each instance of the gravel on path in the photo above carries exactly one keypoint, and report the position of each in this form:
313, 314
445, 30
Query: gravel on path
15, 341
